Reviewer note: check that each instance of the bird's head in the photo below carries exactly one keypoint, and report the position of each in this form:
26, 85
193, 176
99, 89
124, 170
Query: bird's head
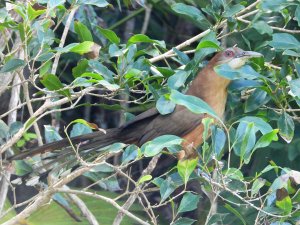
234, 57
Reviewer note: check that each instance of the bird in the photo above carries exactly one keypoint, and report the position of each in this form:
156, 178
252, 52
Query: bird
207, 85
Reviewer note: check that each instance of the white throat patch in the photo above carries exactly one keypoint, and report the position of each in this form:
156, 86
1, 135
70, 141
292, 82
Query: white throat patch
237, 62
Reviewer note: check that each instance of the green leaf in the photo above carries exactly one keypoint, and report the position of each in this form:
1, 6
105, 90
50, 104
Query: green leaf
184, 221
84, 122
32, 13
194, 104
297, 15
54, 3
80, 129
262, 27
284, 41
94, 76
208, 44
244, 139
286, 127
291, 53
98, 3
295, 87
218, 141
114, 51
256, 99
21, 167
109, 86
84, 34
236, 213
110, 35
217, 218
234, 173
29, 136
130, 153
11, 65
190, 12
145, 178
4, 129
182, 57
103, 167
154, 147
140, 38
257, 185
115, 147
274, 5
166, 188
81, 68
186, 167
245, 72
13, 128
83, 47
52, 83
164, 106
178, 79
98, 67
284, 203
259, 123
266, 139
232, 10
21, 143
188, 203
29, 122
51, 134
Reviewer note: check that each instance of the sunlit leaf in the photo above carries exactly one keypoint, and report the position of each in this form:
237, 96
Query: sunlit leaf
185, 168
110, 35
145, 178
84, 34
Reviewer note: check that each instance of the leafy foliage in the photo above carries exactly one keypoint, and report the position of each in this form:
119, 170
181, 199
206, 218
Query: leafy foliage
249, 160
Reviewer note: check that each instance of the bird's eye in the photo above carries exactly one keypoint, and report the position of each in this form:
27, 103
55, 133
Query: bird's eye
229, 53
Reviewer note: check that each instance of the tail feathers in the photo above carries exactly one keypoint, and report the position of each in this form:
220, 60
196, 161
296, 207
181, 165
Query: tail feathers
86, 141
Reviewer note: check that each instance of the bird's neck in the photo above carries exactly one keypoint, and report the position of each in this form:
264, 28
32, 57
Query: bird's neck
211, 88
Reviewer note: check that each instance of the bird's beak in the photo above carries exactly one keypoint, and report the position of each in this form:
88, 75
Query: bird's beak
249, 54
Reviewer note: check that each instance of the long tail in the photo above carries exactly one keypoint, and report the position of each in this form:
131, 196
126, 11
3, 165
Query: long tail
86, 141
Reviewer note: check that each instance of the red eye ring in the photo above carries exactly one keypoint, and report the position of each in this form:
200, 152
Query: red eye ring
229, 53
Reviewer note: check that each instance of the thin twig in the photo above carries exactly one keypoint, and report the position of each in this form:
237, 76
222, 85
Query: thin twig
146, 18
106, 199
132, 198
274, 28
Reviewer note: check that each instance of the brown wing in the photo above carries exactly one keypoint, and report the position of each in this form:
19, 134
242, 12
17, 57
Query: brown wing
144, 128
